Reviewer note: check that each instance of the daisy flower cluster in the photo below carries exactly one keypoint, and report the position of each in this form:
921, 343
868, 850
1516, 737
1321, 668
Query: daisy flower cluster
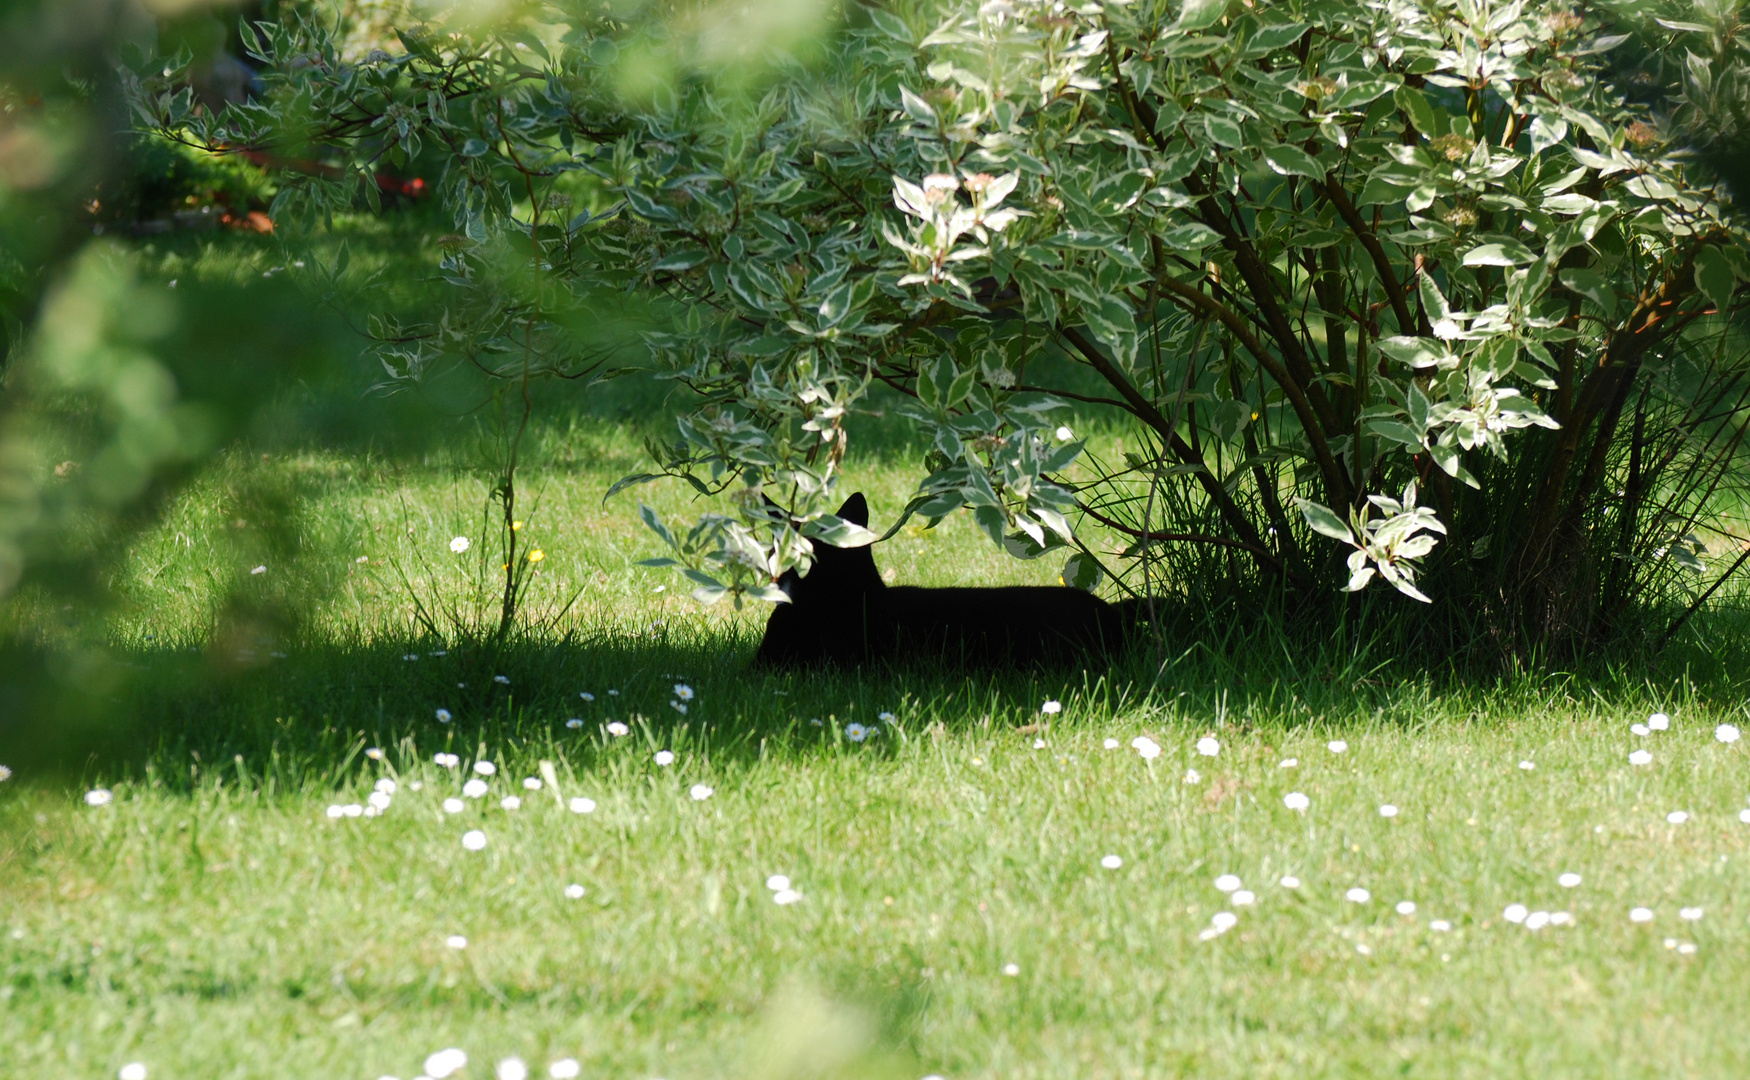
1525, 915
453, 1062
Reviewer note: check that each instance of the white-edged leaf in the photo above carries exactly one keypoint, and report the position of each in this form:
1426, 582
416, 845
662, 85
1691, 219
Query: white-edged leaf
1324, 522
1500, 253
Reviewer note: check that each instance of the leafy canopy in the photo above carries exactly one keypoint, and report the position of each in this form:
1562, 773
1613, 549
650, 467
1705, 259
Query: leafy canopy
1336, 260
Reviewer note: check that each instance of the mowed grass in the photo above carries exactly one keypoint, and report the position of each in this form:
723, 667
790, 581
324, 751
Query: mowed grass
214, 920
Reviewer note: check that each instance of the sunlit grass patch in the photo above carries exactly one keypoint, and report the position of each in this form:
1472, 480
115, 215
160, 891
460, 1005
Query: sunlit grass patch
344, 846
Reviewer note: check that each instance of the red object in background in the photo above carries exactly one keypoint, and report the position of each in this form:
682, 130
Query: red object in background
387, 183
253, 221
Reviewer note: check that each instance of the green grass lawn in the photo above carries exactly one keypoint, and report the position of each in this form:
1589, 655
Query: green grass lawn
958, 912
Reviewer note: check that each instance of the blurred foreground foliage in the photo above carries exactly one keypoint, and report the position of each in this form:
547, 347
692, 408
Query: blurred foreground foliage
128, 368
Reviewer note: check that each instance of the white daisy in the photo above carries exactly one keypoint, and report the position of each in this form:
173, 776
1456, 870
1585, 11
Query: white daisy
664, 758
1111, 862
785, 897
474, 789
701, 792
581, 805
485, 768
1288, 763
1064, 434
617, 729
1227, 883
574, 723
1289, 881
1242, 897
886, 717
511, 1068
1640, 914
445, 1062
1440, 926
1224, 921
1296, 800
683, 691
1641, 757
1677, 817
1659, 721
1689, 914
532, 783
678, 706
1110, 744
564, 1069
353, 810
856, 732
133, 1070
1388, 810
453, 806
459, 544
587, 696
454, 941
375, 753
1527, 766
1568, 880
1515, 913
1744, 816
1640, 729
1561, 918
448, 761
778, 883
1147, 747
474, 840
1337, 746
1011, 970
1192, 776
1406, 907
1208, 746
501, 679
574, 891
1727, 733
1358, 895
99, 797
335, 811
511, 802
379, 800
384, 784
1051, 708
1537, 920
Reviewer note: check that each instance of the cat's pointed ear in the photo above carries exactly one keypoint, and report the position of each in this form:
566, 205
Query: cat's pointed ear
855, 510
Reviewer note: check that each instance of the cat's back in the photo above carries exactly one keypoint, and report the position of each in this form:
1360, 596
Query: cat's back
1009, 625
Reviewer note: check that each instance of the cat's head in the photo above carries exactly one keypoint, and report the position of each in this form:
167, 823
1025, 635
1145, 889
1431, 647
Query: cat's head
837, 573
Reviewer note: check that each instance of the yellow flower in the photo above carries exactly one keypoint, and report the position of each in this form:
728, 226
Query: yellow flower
537, 555
515, 525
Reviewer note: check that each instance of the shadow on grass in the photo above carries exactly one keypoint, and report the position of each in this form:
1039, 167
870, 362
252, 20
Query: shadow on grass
302, 715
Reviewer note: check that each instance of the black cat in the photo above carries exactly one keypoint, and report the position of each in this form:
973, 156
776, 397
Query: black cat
841, 612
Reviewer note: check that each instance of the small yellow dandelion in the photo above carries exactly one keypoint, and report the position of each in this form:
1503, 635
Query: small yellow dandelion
537, 555
515, 525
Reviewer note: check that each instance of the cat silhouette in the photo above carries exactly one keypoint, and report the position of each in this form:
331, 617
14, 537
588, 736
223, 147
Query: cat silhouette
841, 612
